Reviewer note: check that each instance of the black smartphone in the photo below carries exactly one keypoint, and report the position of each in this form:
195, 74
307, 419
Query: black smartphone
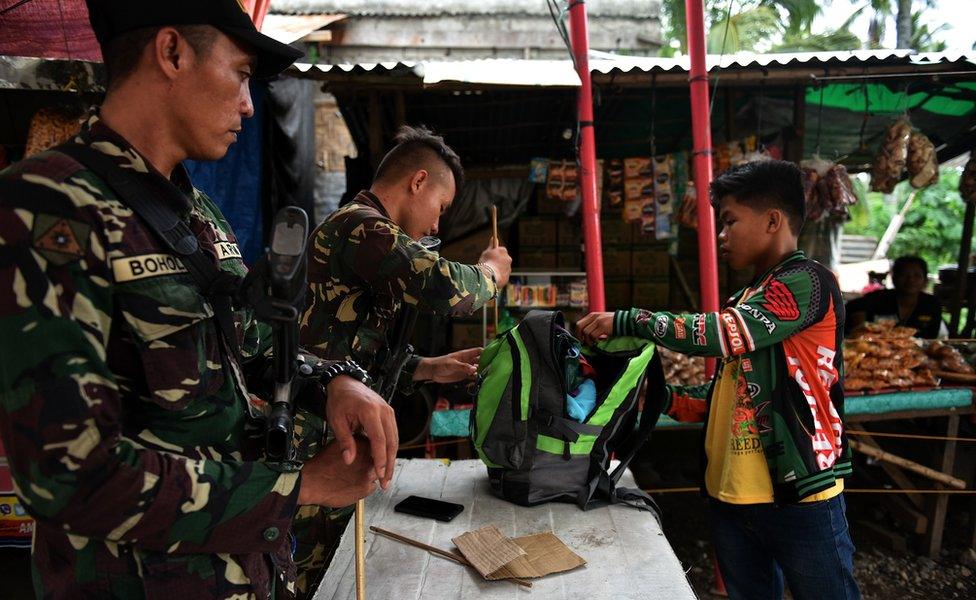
428, 507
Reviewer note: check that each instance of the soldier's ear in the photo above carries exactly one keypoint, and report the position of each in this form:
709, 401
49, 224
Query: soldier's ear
418, 180
166, 51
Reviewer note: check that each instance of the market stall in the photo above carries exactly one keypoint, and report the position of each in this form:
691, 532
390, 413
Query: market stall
894, 377
892, 113
624, 548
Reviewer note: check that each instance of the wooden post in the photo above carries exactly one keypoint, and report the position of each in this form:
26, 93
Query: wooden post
962, 276
933, 538
941, 477
896, 474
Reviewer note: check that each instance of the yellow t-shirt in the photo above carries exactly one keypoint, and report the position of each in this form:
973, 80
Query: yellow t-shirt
736, 472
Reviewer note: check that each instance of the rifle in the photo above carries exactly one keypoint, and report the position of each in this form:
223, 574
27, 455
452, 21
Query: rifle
398, 351
275, 288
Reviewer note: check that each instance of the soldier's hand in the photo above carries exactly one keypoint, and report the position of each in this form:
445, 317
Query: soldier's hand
350, 407
499, 260
450, 368
328, 481
595, 327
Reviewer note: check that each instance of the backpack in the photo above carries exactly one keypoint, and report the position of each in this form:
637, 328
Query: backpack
522, 430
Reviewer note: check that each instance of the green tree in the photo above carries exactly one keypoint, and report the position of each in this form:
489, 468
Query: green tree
933, 225
754, 25
911, 32
787, 26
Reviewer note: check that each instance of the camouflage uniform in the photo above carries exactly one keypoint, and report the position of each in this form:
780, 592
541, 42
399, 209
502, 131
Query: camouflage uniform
124, 420
362, 268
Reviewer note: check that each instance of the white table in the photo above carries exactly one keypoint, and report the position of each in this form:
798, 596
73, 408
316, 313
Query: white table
627, 555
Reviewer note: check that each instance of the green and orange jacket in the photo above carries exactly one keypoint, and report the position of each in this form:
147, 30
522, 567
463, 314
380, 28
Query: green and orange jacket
787, 331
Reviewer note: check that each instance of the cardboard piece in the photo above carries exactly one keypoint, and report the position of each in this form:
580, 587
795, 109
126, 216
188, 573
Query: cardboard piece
496, 556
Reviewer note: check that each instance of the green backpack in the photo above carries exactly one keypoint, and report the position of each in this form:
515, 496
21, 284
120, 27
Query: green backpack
521, 428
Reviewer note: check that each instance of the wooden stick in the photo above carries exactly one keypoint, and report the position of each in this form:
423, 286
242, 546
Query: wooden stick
494, 244
434, 550
913, 466
360, 549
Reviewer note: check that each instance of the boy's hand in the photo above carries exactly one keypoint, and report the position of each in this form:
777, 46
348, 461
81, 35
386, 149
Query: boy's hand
595, 327
450, 368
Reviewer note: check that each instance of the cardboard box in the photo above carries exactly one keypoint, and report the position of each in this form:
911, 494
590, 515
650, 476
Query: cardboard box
653, 295
538, 259
548, 207
650, 262
618, 292
466, 335
468, 249
649, 240
570, 260
537, 232
616, 232
616, 261
570, 234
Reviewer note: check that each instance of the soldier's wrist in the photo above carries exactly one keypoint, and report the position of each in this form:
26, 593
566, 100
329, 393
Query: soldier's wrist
489, 270
349, 368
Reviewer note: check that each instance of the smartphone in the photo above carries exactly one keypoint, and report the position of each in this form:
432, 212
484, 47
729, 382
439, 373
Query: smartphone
428, 507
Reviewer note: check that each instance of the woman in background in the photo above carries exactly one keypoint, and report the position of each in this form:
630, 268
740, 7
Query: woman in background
908, 303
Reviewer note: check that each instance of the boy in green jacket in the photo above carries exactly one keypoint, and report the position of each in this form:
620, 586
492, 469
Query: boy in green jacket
775, 450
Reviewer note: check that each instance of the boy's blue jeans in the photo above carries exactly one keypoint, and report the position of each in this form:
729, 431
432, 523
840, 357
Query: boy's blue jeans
758, 545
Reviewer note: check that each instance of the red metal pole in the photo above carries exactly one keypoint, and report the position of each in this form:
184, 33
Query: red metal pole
701, 129
580, 39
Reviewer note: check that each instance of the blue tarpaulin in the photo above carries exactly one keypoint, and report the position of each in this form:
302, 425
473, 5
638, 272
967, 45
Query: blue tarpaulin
234, 182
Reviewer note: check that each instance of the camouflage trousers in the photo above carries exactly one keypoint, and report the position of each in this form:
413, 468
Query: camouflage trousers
316, 530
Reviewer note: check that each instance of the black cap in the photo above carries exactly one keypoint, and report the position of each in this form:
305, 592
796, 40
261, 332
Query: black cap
109, 18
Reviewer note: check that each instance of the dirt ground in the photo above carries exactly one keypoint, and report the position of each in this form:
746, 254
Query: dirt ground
882, 572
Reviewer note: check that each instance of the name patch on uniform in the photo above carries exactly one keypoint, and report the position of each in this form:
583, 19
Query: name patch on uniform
132, 268
226, 250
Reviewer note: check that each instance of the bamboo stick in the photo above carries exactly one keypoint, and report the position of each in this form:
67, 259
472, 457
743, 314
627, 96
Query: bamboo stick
913, 466
494, 244
435, 550
360, 549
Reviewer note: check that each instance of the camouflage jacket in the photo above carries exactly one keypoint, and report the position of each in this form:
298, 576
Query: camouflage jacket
123, 422
362, 268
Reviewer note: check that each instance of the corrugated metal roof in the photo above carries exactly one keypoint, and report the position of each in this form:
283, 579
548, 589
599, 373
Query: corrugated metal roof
560, 73
635, 9
489, 71
602, 62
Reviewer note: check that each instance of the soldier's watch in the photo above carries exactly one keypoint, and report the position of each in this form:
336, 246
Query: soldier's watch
346, 367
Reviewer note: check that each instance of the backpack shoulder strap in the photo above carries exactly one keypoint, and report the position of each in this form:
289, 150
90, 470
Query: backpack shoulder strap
213, 282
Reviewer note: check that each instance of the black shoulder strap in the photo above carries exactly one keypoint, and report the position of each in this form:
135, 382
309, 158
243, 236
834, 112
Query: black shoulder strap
215, 283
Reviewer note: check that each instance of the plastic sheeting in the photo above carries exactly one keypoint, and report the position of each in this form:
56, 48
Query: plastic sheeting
235, 183
471, 211
290, 160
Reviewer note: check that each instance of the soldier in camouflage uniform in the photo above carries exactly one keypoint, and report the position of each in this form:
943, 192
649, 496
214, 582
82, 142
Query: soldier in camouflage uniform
122, 408
365, 264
